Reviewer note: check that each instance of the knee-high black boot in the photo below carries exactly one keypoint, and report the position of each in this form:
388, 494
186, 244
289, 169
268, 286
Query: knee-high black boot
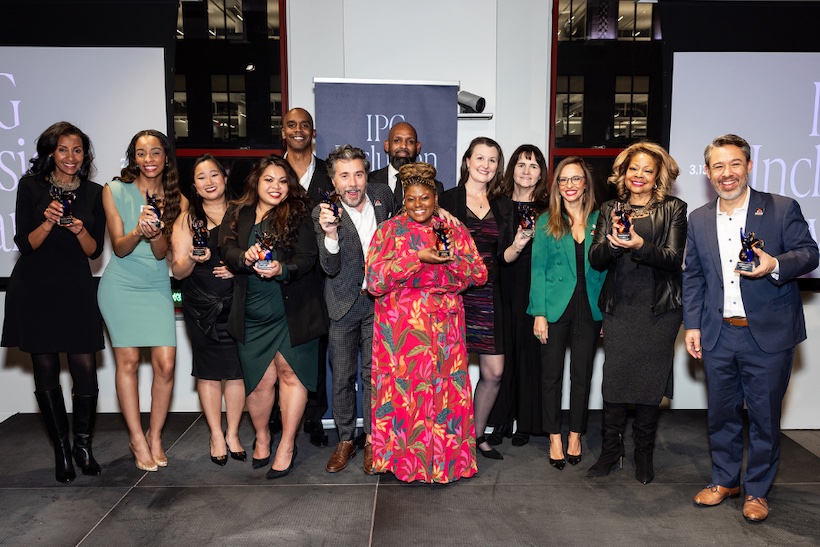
52, 407
85, 413
612, 448
644, 429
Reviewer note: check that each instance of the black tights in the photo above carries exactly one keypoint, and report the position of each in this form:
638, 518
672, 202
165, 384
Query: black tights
83, 368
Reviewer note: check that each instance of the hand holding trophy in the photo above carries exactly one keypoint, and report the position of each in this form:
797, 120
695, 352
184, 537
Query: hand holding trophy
527, 214
333, 202
65, 198
199, 234
265, 241
623, 222
746, 259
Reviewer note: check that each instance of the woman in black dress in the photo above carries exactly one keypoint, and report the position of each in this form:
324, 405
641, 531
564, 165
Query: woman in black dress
519, 398
207, 293
278, 310
53, 270
641, 297
479, 204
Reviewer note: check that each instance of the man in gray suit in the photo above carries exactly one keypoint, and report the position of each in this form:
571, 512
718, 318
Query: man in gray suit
343, 233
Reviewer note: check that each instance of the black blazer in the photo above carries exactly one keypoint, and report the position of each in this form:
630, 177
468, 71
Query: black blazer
663, 250
455, 202
320, 181
380, 177
301, 290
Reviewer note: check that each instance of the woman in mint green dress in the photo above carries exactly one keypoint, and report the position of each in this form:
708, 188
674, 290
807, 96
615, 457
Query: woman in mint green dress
278, 312
135, 291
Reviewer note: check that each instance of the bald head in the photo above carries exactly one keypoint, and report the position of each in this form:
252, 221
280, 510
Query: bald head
402, 145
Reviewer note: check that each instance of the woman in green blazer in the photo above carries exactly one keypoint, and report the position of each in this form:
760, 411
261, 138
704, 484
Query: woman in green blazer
564, 302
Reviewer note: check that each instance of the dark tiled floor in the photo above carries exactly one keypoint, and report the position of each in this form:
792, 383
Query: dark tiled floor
518, 501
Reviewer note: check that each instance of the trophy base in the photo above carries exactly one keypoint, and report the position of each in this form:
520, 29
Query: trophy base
745, 267
444, 253
198, 251
263, 264
528, 232
66, 221
625, 237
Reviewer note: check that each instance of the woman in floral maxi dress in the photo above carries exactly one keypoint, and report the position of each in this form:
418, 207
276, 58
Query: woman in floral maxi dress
423, 427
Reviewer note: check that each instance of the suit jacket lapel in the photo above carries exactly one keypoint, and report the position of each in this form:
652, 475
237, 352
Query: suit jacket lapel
712, 237
754, 220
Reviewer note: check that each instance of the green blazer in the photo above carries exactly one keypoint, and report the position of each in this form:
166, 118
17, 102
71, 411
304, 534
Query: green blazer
554, 274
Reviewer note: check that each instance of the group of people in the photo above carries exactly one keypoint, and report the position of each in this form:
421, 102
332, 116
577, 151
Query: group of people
397, 281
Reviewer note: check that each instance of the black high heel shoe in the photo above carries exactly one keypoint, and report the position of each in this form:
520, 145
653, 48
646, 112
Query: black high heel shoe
492, 453
573, 459
240, 456
556, 463
261, 462
276, 474
218, 460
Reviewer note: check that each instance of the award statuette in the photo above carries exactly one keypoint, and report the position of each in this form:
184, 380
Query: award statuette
266, 242
333, 201
200, 236
527, 214
443, 240
623, 222
65, 197
746, 262
155, 203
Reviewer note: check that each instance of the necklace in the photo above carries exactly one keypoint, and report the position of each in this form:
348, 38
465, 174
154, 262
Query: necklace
71, 185
638, 211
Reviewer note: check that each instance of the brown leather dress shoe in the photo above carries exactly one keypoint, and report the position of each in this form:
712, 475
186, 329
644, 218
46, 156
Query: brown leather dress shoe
338, 460
368, 459
714, 494
755, 509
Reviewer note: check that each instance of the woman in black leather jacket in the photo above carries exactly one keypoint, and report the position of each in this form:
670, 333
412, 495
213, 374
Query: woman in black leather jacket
640, 300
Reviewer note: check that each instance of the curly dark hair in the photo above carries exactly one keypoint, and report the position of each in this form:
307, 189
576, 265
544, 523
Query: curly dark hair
285, 218
170, 177
43, 163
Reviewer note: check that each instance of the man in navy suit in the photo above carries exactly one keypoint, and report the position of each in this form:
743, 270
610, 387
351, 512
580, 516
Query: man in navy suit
297, 135
343, 236
744, 325
402, 147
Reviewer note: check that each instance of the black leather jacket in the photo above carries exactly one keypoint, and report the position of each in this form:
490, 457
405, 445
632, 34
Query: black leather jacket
663, 250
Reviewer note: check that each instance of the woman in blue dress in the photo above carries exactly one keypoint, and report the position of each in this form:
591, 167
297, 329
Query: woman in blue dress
141, 206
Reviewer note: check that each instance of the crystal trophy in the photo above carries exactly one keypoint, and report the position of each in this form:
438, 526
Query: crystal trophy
623, 222
527, 214
746, 259
443, 239
65, 197
155, 203
200, 234
266, 241
333, 201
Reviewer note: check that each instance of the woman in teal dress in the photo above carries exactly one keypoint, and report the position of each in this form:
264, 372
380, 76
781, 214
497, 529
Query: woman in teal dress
135, 290
278, 312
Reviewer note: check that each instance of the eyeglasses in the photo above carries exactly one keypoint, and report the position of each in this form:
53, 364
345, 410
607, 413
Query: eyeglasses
576, 180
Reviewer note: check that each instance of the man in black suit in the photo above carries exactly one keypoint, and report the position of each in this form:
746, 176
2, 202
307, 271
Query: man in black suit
402, 147
343, 236
298, 134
